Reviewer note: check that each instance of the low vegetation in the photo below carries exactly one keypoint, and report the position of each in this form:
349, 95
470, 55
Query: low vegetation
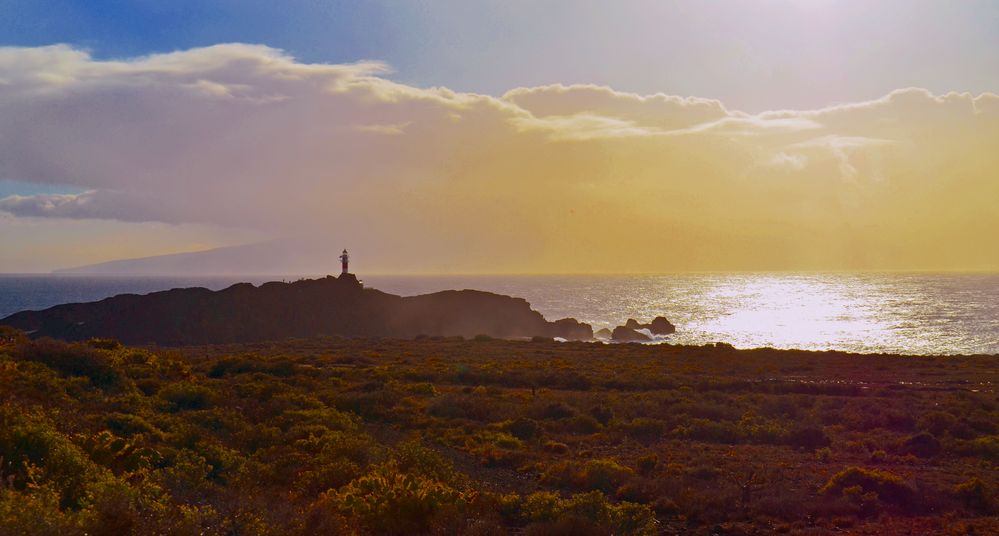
447, 436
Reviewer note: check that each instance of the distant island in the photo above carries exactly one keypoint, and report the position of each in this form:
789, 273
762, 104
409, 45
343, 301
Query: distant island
306, 308
270, 257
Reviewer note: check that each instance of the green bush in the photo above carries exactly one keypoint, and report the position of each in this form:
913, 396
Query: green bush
586, 513
127, 424
602, 414
937, 423
888, 486
986, 447
414, 458
583, 424
808, 437
605, 475
643, 429
184, 396
976, 495
923, 445
104, 344
387, 501
524, 429
71, 360
11, 336
34, 452
647, 463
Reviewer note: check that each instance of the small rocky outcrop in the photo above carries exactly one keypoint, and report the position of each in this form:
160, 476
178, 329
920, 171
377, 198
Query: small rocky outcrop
571, 329
626, 334
661, 326
603, 333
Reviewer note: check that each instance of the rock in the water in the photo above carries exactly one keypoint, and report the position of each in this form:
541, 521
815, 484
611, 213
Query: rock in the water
571, 329
632, 324
603, 334
661, 326
626, 334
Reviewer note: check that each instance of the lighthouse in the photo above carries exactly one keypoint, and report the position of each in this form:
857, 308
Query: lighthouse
344, 259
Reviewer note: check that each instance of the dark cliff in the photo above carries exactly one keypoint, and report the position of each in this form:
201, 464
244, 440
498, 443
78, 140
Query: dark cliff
307, 308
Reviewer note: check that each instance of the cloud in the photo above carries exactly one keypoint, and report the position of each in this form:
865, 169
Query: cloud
48, 205
664, 112
552, 178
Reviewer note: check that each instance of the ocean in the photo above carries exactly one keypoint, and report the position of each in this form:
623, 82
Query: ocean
913, 313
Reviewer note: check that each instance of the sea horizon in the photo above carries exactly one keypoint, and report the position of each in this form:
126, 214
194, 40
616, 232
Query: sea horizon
914, 313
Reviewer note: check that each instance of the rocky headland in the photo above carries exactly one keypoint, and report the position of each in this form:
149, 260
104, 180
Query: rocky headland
305, 308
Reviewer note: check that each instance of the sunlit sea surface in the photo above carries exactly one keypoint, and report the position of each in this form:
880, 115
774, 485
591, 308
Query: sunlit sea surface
896, 313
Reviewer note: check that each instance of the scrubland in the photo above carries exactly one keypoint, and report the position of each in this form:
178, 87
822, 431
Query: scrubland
483, 436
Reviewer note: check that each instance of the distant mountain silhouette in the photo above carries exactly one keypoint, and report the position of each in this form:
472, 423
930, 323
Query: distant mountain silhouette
306, 308
272, 257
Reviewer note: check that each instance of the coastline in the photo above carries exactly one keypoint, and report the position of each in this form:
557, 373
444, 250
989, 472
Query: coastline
926, 314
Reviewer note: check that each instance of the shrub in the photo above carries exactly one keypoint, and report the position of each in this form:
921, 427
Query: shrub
454, 406
116, 453
937, 423
525, 429
11, 336
557, 411
647, 463
711, 431
643, 429
387, 501
187, 396
71, 360
983, 447
602, 414
502, 440
976, 495
414, 458
34, 451
808, 437
568, 379
923, 445
555, 447
104, 344
889, 486
605, 475
187, 474
128, 424
584, 424
248, 364
586, 513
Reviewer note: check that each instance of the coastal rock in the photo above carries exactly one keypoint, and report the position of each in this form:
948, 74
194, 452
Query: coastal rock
626, 334
349, 279
307, 308
661, 326
603, 333
571, 329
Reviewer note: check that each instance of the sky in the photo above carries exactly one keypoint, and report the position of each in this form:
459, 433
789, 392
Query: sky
469, 136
